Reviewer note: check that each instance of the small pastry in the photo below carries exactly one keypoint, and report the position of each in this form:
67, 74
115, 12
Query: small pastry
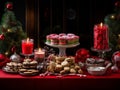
27, 60
33, 62
77, 67
34, 71
28, 72
22, 70
19, 64
70, 60
52, 64
72, 70
62, 72
58, 68
59, 58
65, 64
26, 63
9, 64
50, 69
80, 71
67, 69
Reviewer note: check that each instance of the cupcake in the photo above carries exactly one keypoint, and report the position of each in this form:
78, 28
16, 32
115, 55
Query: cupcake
75, 39
70, 34
54, 40
48, 38
62, 34
70, 40
62, 40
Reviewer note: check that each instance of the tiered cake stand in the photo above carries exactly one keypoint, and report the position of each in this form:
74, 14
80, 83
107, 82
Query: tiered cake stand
62, 48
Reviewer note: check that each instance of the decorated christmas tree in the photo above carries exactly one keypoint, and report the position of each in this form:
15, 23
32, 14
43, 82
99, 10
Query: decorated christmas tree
11, 31
113, 22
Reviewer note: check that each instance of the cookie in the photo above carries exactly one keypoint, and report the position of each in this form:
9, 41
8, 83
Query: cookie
33, 62
22, 70
27, 72
67, 69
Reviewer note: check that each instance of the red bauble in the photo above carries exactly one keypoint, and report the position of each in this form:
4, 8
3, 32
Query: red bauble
2, 57
116, 58
9, 6
3, 60
81, 55
2, 37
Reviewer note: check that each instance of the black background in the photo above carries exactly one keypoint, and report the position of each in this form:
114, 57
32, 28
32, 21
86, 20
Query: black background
87, 14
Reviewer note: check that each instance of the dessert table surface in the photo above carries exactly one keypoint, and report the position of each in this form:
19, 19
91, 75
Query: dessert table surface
69, 82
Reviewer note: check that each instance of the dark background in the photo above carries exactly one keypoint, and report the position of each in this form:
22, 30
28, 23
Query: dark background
68, 16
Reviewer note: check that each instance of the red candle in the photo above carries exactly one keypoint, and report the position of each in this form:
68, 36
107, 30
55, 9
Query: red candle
39, 53
101, 38
27, 46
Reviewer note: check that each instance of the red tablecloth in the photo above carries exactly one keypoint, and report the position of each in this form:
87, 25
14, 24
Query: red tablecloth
18, 82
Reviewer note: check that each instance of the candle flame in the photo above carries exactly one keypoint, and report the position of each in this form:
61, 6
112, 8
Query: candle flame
39, 50
27, 40
101, 24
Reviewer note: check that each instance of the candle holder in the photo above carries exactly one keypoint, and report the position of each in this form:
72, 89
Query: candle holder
101, 53
27, 55
101, 39
39, 55
27, 47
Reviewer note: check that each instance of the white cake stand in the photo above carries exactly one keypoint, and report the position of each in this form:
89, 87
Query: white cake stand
62, 48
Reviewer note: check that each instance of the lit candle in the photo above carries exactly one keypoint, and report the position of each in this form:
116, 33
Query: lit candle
39, 54
27, 46
101, 38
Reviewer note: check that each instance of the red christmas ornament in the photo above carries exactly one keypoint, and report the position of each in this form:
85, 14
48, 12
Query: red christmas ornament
3, 60
116, 58
9, 6
2, 37
81, 55
2, 57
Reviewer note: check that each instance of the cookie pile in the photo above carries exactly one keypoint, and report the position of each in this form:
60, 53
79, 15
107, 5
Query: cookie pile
28, 63
63, 65
12, 67
29, 67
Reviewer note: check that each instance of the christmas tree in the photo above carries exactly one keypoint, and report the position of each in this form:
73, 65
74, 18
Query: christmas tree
113, 22
11, 31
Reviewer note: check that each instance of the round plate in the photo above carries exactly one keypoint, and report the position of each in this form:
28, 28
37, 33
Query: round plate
29, 73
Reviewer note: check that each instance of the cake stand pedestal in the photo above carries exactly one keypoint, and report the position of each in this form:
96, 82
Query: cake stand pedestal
101, 52
62, 48
27, 55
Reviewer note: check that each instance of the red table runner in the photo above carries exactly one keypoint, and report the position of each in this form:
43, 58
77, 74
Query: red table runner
18, 82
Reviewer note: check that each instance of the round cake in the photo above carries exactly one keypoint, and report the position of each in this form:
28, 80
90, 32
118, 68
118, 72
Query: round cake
62, 39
